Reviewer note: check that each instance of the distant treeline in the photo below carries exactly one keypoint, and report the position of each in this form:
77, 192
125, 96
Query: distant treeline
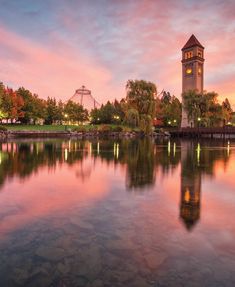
142, 107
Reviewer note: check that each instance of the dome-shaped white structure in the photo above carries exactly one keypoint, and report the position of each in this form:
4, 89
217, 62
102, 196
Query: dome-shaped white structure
84, 97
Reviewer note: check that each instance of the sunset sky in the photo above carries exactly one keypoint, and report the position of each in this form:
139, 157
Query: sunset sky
53, 47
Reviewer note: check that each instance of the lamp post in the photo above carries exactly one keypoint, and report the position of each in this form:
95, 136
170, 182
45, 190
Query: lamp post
199, 120
198, 124
66, 116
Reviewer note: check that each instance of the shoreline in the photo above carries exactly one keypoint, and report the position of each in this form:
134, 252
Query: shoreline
4, 135
180, 133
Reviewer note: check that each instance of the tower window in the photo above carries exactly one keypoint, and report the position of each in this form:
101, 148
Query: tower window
188, 55
199, 70
189, 71
199, 54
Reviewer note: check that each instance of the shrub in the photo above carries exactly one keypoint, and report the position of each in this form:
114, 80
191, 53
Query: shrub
79, 129
3, 129
105, 128
117, 129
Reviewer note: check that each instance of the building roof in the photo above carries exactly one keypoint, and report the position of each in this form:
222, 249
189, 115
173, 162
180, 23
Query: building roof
192, 41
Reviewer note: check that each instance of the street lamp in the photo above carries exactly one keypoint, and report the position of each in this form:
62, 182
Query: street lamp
66, 116
199, 120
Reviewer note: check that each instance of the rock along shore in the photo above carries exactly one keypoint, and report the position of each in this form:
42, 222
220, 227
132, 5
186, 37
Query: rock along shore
72, 134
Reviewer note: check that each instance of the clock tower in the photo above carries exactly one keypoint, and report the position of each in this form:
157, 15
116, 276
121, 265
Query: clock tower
192, 72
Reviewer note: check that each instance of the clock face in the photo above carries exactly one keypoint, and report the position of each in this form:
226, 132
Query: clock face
189, 71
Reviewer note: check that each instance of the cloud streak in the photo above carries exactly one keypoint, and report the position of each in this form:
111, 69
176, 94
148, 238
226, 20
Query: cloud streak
104, 44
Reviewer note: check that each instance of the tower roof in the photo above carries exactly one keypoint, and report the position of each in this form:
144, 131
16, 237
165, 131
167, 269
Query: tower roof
192, 41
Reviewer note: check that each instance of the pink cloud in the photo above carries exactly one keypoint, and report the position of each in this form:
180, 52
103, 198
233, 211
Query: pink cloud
102, 46
54, 71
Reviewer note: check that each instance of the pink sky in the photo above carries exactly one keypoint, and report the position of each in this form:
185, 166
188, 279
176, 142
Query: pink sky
54, 47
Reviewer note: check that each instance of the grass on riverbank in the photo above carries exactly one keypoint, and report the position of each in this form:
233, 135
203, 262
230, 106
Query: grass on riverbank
57, 128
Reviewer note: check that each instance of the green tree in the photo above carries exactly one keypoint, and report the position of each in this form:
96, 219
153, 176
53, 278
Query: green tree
204, 106
227, 110
33, 108
140, 96
75, 112
51, 111
132, 118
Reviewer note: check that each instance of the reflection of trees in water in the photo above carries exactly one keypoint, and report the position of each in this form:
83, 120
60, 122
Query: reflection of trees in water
197, 160
140, 164
143, 158
22, 159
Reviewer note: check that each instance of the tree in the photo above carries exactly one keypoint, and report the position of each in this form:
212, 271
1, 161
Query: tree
204, 106
51, 111
2, 92
140, 96
168, 109
11, 105
140, 100
132, 118
110, 113
33, 108
227, 110
75, 112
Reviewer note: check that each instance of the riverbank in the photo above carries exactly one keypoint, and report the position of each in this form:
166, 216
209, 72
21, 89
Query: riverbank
76, 134
85, 131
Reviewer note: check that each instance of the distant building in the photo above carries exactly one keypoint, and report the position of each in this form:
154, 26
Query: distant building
84, 97
192, 72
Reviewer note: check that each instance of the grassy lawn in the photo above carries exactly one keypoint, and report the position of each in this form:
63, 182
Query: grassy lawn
37, 127
57, 128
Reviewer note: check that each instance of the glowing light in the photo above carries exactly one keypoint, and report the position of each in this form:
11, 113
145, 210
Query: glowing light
174, 149
117, 152
189, 71
98, 148
228, 148
198, 152
90, 148
66, 154
169, 148
187, 195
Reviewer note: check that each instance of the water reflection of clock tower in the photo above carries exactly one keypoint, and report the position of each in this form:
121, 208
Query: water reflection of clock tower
192, 70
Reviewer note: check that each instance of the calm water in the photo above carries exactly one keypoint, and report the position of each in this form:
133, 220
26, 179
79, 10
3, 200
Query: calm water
117, 213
